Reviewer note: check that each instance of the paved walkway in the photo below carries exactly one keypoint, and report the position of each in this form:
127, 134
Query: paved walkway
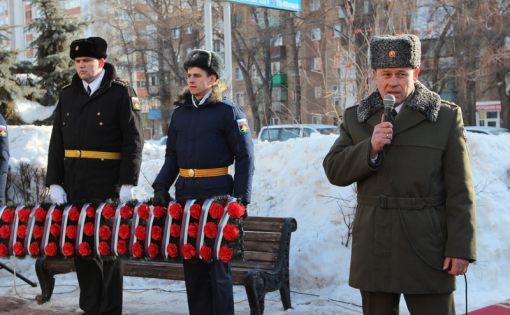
17, 306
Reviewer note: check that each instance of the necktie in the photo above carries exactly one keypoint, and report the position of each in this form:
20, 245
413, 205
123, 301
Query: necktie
394, 113
89, 91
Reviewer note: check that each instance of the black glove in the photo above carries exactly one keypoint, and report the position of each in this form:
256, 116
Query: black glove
161, 197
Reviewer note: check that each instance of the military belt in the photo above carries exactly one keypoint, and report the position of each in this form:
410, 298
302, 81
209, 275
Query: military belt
386, 202
84, 154
203, 172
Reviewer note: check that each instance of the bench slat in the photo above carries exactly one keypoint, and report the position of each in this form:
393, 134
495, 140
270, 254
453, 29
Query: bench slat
260, 256
261, 246
263, 226
262, 236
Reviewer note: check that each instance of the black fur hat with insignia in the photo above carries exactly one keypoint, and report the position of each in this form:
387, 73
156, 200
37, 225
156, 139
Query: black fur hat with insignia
205, 59
400, 51
94, 47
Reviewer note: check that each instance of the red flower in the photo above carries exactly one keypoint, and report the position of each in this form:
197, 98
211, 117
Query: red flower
39, 214
188, 251
71, 232
126, 212
124, 231
176, 211
175, 230
225, 254
34, 249
18, 248
210, 230
236, 210
24, 214
91, 212
3, 250
195, 210
205, 252
108, 211
51, 249
121, 247
104, 248
193, 230
104, 232
230, 232
88, 229
56, 215
216, 210
159, 212
55, 230
137, 249
68, 249
171, 250
5, 231
156, 233
144, 211
7, 215
22, 231
84, 249
37, 231
74, 214
140, 232
153, 250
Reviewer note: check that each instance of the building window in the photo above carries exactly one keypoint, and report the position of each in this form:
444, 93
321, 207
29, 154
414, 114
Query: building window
140, 84
316, 64
366, 6
239, 98
341, 13
315, 5
317, 91
275, 67
298, 38
507, 43
176, 33
71, 4
189, 30
277, 41
337, 32
316, 119
238, 74
315, 33
275, 120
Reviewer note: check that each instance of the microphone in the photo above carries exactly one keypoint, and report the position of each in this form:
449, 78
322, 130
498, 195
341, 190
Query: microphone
389, 102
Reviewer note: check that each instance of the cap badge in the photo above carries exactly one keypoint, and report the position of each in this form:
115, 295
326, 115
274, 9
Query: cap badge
392, 54
77, 48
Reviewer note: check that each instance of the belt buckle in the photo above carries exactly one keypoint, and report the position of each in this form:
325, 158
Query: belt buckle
79, 153
191, 172
383, 202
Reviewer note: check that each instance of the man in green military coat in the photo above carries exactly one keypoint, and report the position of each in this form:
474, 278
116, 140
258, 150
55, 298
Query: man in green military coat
414, 228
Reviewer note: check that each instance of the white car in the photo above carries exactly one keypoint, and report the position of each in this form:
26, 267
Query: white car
286, 132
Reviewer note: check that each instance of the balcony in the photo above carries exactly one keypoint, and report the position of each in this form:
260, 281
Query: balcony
278, 52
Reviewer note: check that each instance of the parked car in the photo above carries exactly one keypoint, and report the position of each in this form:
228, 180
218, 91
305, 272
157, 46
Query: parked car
487, 130
286, 132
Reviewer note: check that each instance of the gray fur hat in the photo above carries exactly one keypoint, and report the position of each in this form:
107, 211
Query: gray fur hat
400, 51
205, 59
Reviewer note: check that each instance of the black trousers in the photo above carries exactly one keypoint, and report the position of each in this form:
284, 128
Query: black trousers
209, 288
100, 283
382, 303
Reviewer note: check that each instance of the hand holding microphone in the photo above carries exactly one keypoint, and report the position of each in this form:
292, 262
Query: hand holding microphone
383, 132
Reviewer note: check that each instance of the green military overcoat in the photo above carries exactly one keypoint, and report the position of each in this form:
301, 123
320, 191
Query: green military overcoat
415, 203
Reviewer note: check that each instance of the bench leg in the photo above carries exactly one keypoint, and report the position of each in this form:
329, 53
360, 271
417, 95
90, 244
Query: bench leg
46, 281
254, 285
285, 294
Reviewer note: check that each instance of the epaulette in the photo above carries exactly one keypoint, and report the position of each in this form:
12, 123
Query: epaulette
451, 104
121, 82
229, 102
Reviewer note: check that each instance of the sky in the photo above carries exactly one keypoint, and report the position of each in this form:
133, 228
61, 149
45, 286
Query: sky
289, 181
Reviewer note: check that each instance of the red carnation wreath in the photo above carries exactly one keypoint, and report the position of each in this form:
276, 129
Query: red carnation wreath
104, 222
122, 228
139, 230
155, 228
6, 218
229, 241
35, 228
172, 231
51, 232
84, 244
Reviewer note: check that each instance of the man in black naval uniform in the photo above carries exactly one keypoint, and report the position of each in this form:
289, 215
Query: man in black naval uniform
4, 158
95, 154
207, 134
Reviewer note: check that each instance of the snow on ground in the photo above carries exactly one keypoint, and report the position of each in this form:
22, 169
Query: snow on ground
289, 181
30, 111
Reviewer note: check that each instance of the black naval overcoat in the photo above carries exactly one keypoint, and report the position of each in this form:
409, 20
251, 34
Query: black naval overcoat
106, 121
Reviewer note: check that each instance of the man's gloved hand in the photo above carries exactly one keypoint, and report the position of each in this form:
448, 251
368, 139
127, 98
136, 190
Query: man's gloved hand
58, 195
161, 197
126, 193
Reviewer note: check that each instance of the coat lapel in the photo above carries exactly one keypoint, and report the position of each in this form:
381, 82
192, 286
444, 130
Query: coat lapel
407, 118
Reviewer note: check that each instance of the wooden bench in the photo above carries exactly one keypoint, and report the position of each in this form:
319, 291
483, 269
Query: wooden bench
265, 267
